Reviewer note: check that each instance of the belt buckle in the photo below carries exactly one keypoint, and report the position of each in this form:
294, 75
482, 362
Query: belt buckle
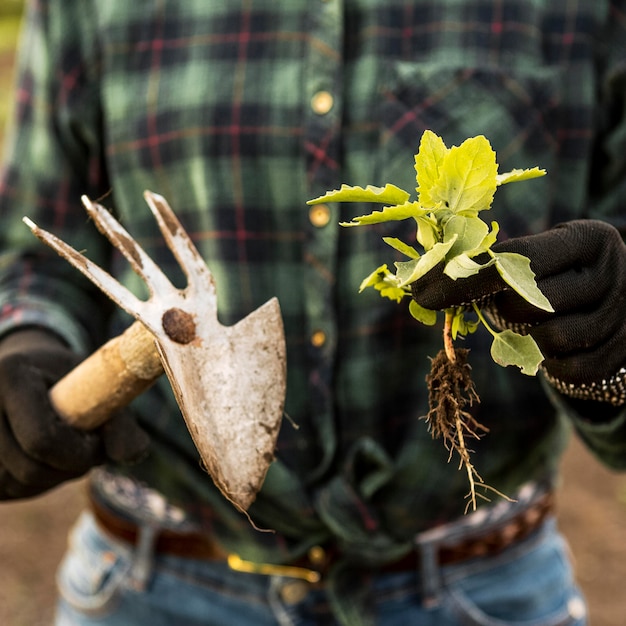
238, 564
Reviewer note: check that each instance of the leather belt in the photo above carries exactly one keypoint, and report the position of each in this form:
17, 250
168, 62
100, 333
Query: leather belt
319, 559
193, 545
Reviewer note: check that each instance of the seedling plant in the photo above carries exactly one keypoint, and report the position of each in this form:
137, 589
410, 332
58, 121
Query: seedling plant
454, 186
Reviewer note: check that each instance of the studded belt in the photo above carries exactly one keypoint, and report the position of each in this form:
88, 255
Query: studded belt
319, 559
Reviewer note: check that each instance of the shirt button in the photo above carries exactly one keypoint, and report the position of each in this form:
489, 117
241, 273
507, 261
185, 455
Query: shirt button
322, 102
319, 215
317, 556
318, 338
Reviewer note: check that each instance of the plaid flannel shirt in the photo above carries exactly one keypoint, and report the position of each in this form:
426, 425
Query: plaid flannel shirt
238, 112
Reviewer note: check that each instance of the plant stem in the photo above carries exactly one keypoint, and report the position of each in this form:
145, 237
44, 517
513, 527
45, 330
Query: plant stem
484, 322
447, 336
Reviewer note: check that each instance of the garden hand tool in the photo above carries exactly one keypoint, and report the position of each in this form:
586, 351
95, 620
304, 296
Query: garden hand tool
229, 381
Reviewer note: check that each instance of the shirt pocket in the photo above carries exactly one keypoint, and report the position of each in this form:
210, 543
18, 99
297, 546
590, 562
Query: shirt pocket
92, 573
517, 110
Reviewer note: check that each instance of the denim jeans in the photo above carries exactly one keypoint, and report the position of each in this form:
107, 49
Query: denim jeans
102, 583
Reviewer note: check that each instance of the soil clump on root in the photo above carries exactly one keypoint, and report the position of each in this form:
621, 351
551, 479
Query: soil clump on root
451, 393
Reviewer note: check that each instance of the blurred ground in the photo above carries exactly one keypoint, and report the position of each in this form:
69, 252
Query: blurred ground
32, 542
592, 500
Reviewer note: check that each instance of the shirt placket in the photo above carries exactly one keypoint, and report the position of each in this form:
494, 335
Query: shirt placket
321, 144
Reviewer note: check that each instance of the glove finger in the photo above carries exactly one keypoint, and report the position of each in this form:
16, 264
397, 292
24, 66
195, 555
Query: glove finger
580, 332
124, 439
38, 430
572, 245
584, 368
574, 266
24, 470
584, 292
51, 365
437, 291
567, 248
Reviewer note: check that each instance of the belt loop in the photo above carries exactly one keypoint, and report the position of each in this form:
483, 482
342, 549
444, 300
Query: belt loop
430, 579
143, 558
280, 611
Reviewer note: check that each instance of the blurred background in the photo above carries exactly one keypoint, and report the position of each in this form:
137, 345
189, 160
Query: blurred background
592, 500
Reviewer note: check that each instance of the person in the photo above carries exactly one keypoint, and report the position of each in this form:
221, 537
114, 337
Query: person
238, 113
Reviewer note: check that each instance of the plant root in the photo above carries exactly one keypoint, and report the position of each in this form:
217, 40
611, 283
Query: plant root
451, 392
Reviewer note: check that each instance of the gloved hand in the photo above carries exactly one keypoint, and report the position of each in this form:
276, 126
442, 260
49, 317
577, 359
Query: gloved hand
580, 266
38, 450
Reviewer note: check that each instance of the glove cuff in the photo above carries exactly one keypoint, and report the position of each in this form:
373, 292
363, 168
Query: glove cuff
611, 390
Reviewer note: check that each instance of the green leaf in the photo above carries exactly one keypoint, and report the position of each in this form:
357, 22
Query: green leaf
509, 348
385, 282
488, 241
378, 275
388, 214
425, 316
515, 271
389, 194
516, 175
460, 326
391, 291
428, 161
466, 181
457, 321
461, 266
410, 271
402, 247
427, 231
470, 232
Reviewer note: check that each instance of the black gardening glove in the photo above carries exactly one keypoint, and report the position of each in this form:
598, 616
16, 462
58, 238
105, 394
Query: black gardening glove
38, 450
580, 267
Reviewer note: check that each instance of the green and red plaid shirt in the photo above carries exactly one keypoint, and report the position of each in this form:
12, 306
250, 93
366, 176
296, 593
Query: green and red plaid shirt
238, 111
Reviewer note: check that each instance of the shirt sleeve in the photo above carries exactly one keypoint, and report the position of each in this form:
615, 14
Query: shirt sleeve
606, 437
53, 156
607, 178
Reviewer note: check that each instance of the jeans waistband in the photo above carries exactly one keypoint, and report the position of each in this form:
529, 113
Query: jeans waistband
485, 533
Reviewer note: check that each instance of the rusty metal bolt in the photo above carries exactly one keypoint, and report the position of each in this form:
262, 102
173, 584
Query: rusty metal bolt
179, 325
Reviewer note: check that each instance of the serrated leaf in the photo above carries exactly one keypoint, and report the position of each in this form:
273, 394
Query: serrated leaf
389, 194
385, 282
375, 277
402, 247
466, 180
516, 175
388, 214
428, 160
515, 271
509, 348
425, 316
409, 271
461, 266
391, 291
470, 232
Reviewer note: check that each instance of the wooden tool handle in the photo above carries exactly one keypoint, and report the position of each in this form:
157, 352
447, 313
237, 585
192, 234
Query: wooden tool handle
109, 379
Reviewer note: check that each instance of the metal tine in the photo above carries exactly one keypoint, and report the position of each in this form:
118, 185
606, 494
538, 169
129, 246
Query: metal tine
180, 243
156, 281
102, 279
